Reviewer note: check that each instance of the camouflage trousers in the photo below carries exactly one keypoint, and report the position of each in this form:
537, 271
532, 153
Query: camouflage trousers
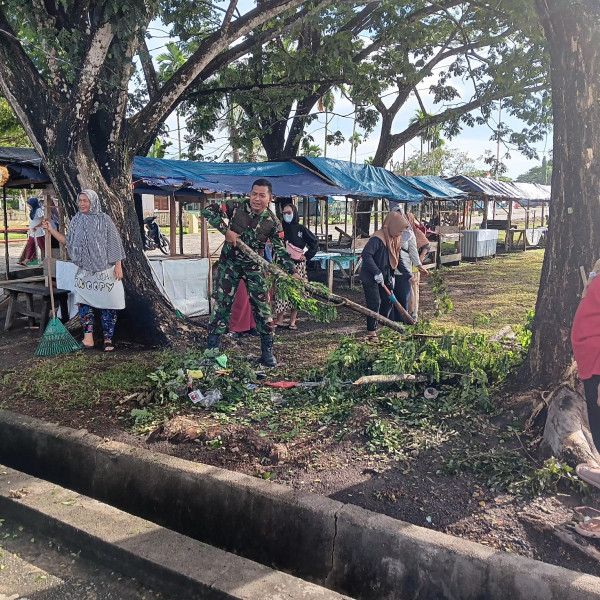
227, 278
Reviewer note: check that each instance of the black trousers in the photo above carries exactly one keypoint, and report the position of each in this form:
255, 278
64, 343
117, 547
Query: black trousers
376, 300
402, 290
592, 393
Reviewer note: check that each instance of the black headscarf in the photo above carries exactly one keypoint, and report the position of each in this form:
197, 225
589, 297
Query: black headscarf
298, 235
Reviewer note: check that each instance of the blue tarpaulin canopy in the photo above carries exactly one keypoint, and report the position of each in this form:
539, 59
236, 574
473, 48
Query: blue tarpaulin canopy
363, 180
286, 178
433, 186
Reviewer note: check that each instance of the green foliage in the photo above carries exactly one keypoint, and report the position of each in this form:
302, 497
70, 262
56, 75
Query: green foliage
11, 132
442, 303
541, 174
510, 471
525, 331
466, 360
441, 161
291, 289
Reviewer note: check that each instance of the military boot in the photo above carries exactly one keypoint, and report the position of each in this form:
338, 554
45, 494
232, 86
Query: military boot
266, 345
213, 340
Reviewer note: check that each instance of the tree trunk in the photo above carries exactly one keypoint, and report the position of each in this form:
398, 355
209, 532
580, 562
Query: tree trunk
149, 318
363, 216
573, 34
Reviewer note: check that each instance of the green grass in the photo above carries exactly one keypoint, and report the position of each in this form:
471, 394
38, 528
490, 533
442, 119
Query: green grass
78, 380
491, 294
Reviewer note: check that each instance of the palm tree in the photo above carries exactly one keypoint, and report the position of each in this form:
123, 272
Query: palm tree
326, 103
170, 62
231, 122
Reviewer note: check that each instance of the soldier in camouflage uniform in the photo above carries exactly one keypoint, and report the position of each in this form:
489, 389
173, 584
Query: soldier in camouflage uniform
254, 223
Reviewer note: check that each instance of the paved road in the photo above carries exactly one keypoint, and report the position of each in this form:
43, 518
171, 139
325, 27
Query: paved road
36, 567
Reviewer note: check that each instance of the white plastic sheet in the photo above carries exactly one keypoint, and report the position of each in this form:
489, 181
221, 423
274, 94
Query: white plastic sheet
185, 283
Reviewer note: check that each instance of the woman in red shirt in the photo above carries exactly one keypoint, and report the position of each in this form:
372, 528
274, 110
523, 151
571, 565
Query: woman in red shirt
585, 338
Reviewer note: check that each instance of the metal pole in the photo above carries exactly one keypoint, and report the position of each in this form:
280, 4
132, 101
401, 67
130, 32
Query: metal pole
498, 144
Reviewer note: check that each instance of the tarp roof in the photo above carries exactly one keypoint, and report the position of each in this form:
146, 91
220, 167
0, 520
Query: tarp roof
332, 177
521, 192
24, 166
363, 180
433, 186
286, 178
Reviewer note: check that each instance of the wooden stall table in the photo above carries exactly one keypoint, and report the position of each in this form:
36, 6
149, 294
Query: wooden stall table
516, 239
29, 290
354, 258
325, 258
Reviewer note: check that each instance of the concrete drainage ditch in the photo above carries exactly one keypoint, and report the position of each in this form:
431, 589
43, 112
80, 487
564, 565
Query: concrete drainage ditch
342, 547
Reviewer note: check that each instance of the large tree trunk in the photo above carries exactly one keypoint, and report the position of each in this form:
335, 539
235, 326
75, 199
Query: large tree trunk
149, 317
573, 34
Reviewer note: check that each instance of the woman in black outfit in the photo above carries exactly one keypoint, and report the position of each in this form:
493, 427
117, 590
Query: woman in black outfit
297, 238
379, 259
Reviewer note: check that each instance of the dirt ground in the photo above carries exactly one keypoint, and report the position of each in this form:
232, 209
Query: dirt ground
415, 491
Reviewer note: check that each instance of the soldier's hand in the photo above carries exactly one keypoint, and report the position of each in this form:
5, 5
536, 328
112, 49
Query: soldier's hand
231, 237
296, 276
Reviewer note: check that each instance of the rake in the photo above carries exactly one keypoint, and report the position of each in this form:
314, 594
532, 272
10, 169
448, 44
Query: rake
56, 338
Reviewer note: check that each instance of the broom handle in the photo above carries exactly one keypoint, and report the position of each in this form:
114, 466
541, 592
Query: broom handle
48, 250
315, 291
398, 306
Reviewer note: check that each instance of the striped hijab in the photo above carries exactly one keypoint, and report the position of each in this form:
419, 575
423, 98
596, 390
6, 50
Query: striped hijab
93, 242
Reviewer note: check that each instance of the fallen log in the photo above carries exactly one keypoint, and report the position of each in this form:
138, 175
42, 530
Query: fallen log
313, 290
376, 379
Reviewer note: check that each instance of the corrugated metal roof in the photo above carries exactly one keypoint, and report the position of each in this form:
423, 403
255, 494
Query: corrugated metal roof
433, 186
506, 190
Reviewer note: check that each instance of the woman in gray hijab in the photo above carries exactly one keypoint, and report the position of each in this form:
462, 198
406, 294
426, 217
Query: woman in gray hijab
94, 245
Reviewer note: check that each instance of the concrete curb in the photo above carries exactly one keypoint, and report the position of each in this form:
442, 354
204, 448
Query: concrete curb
346, 548
167, 561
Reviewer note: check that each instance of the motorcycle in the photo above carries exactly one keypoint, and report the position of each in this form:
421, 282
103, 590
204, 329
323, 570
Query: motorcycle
154, 237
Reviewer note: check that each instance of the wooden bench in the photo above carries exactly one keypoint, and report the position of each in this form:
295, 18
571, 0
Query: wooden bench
30, 290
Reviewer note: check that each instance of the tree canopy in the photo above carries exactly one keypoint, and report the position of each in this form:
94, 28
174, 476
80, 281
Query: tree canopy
458, 59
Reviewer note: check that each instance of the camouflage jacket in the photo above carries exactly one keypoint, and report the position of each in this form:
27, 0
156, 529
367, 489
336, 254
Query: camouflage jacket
253, 229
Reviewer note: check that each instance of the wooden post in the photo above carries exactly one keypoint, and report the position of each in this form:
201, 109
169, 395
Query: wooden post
172, 225
62, 228
346, 216
6, 254
204, 248
180, 227
486, 207
543, 210
376, 211
527, 215
47, 244
509, 238
326, 223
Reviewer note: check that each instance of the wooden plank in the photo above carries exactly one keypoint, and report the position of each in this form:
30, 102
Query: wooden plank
450, 258
37, 278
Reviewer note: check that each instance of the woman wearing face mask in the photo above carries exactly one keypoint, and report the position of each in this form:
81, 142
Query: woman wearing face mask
403, 274
380, 257
298, 239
